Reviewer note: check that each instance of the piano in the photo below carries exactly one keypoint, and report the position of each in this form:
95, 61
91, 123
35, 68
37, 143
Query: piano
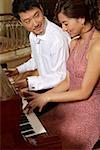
10, 110
17, 132
14, 132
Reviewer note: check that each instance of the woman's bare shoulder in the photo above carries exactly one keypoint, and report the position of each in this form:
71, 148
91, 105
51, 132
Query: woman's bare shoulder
95, 47
96, 42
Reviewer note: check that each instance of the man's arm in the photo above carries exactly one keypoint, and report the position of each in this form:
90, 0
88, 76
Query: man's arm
27, 66
57, 71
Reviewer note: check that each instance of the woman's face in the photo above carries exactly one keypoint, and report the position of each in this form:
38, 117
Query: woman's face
71, 25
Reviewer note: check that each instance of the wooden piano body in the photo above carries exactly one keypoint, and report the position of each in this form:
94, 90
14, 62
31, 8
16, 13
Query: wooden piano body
10, 132
10, 136
10, 112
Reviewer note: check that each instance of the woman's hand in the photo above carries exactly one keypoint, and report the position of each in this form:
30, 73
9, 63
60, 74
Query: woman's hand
28, 95
39, 101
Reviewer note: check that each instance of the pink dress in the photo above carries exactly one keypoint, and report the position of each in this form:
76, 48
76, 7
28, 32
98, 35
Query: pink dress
77, 123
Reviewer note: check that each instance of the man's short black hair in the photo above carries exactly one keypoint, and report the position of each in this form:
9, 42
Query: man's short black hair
19, 6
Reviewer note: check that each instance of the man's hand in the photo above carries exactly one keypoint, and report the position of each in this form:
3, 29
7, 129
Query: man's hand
12, 72
21, 84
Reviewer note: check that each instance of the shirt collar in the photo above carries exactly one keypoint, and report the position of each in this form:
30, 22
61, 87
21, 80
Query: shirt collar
44, 35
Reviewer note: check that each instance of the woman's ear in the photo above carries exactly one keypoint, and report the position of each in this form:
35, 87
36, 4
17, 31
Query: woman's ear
82, 21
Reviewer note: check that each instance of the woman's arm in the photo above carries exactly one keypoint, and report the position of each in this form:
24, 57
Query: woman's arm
59, 94
42, 99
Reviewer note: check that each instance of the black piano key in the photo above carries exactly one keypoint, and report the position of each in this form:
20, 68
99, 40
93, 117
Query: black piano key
23, 116
28, 133
26, 127
23, 119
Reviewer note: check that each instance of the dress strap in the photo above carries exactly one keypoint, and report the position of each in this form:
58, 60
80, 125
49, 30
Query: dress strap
87, 42
85, 46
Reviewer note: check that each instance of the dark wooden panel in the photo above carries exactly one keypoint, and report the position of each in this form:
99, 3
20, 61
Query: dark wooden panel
49, 6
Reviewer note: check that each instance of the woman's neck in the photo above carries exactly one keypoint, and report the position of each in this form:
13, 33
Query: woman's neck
85, 30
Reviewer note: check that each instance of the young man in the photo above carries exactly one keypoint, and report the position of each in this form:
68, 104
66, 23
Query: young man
49, 45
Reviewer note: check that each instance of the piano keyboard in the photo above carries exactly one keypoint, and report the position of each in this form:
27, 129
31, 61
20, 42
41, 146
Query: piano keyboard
26, 128
30, 124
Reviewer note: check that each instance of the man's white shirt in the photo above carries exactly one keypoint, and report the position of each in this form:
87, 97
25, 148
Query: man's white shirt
49, 55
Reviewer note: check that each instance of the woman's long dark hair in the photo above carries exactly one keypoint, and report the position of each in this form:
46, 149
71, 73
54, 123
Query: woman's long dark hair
78, 8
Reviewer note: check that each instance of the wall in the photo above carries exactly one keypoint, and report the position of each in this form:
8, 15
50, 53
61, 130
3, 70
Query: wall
5, 6
20, 55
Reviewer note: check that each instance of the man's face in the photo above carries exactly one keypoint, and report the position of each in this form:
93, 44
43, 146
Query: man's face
33, 20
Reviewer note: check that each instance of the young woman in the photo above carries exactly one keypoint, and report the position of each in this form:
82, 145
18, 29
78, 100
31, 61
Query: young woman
77, 116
